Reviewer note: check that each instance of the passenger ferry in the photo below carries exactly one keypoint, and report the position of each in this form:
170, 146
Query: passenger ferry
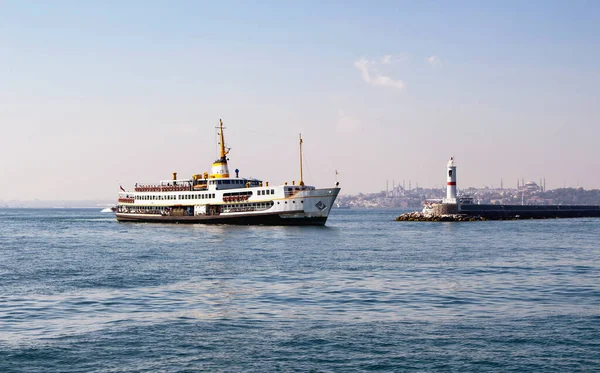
217, 198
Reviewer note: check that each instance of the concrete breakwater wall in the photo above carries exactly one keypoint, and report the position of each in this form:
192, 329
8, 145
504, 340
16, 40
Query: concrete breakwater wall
473, 212
530, 211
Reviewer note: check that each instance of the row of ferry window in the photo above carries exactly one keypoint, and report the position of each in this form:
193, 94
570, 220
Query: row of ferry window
193, 196
260, 205
229, 182
169, 197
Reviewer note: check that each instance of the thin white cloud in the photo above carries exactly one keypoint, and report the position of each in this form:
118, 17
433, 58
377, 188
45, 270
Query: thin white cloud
434, 61
389, 59
372, 77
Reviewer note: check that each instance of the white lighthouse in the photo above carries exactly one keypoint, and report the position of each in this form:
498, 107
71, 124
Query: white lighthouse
451, 183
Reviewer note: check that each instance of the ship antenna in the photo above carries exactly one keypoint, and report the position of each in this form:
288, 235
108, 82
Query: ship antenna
224, 151
301, 179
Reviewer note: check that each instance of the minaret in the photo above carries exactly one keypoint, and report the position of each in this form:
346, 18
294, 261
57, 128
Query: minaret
451, 183
219, 167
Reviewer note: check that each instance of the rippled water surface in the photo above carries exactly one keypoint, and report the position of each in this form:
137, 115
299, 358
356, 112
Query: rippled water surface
80, 292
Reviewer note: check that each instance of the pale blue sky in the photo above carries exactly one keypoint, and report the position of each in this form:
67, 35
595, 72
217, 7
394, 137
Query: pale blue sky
100, 93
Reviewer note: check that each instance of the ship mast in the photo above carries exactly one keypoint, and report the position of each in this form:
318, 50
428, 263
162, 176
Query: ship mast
301, 183
219, 167
222, 142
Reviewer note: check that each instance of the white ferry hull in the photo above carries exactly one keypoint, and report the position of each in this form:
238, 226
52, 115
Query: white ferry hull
308, 207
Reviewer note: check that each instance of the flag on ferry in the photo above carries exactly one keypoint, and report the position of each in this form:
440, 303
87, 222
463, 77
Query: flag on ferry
121, 188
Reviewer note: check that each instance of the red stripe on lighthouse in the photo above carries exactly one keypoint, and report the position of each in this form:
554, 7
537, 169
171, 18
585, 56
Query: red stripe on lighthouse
452, 183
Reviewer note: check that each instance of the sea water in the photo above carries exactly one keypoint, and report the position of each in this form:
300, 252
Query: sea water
80, 292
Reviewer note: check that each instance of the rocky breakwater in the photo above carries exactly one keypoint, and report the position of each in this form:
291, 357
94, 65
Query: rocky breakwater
420, 216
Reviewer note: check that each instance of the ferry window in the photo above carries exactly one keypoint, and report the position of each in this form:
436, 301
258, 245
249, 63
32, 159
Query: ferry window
272, 191
268, 192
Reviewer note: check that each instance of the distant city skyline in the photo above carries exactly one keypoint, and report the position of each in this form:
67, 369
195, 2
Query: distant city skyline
101, 94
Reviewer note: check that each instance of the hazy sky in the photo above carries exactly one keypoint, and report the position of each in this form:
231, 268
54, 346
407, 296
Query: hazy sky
97, 93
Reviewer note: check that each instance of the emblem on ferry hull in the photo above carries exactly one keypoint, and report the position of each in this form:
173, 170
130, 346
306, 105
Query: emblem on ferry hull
321, 206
